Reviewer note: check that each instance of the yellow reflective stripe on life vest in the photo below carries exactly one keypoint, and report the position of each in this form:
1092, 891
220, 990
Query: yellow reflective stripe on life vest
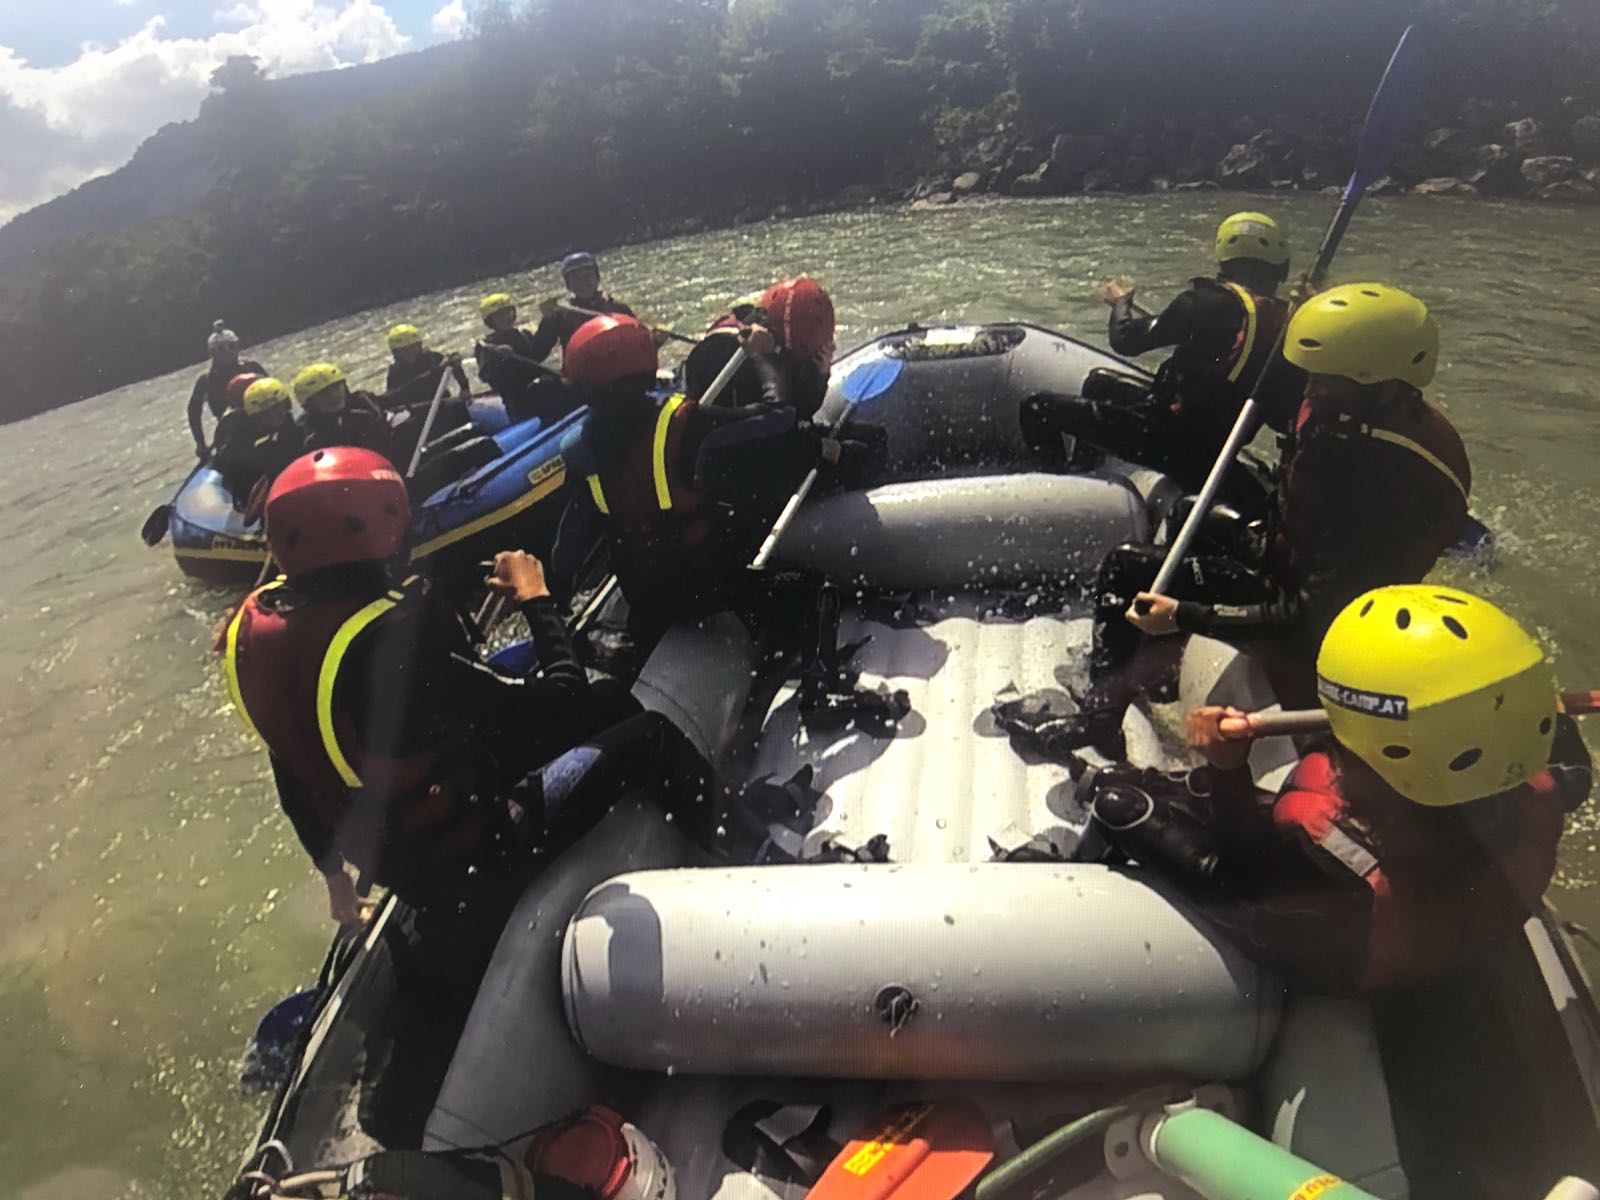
658, 455
599, 494
230, 664
1251, 324
328, 677
1422, 452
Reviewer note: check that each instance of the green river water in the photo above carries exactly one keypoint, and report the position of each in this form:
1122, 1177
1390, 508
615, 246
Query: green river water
157, 903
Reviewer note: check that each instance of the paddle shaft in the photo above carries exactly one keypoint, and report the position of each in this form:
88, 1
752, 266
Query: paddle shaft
427, 422
669, 334
769, 547
1385, 123
1315, 720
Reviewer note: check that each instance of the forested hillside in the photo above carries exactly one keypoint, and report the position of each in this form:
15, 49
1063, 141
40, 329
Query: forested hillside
568, 123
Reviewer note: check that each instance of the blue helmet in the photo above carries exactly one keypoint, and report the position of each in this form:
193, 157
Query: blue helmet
577, 262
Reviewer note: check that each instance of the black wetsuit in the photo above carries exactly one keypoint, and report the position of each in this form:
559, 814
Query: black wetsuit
360, 423
414, 382
1181, 424
529, 390
769, 380
245, 451
211, 391
559, 326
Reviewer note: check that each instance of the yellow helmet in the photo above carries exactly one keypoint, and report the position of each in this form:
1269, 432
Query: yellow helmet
1252, 235
315, 379
1439, 692
264, 394
1367, 332
495, 302
404, 335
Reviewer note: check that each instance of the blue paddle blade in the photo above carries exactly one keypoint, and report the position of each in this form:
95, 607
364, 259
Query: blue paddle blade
871, 379
270, 1056
516, 660
1394, 108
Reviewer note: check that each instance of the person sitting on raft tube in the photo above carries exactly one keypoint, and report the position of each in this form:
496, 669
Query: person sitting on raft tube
683, 487
211, 385
258, 440
788, 333
1417, 836
509, 363
1372, 490
415, 372
1224, 332
396, 753
333, 415
559, 320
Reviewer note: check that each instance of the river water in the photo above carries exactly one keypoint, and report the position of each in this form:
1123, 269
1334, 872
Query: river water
158, 902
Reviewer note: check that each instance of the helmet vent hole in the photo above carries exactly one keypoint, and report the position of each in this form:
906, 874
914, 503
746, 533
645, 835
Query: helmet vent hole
319, 456
1418, 357
1396, 752
1402, 619
354, 524
1467, 758
1546, 725
1373, 294
1450, 599
1311, 343
1455, 627
1365, 608
1338, 304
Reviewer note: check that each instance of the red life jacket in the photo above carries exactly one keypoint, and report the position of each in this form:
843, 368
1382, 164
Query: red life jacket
663, 523
396, 819
1214, 391
1442, 887
1383, 492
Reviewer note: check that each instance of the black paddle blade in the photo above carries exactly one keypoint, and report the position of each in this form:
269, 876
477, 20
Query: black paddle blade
155, 525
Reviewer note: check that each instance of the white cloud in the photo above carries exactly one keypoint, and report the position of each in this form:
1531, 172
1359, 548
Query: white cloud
65, 124
450, 22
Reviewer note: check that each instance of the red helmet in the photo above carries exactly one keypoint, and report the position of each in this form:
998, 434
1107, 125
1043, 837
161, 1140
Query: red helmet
335, 506
606, 349
800, 315
238, 386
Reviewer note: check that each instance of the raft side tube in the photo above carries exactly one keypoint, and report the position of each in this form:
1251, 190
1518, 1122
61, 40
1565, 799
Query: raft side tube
989, 531
997, 972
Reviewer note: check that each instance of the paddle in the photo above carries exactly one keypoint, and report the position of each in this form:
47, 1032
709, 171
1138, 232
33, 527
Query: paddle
1393, 106
925, 1150
427, 423
1315, 720
156, 524
669, 334
863, 383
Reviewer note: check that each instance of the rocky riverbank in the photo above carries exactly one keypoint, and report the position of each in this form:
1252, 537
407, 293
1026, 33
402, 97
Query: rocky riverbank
1482, 149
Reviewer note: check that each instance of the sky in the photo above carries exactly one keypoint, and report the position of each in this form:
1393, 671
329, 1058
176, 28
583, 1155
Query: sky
83, 82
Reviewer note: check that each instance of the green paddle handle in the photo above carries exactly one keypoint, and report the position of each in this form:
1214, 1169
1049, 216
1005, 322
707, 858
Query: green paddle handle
1223, 1161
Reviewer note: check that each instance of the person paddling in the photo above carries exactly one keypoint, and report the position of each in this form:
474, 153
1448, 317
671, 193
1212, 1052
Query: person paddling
258, 440
1372, 490
788, 332
559, 320
1223, 331
211, 385
509, 363
415, 372
333, 415
398, 755
1418, 836
676, 481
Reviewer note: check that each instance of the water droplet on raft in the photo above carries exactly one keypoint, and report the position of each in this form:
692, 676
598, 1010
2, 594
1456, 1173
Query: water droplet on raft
939, 823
